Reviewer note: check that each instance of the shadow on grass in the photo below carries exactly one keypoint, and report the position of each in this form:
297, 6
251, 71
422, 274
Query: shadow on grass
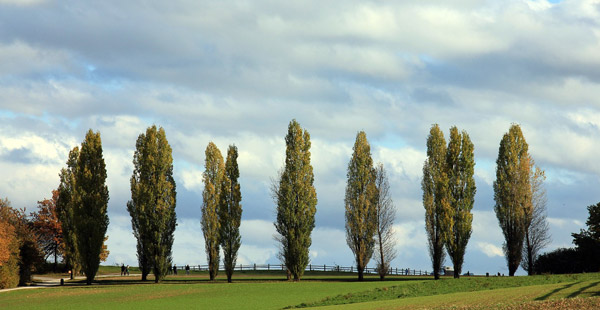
583, 289
556, 290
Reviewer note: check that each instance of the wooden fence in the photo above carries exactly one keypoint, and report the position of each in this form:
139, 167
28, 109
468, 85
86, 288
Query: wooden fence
311, 267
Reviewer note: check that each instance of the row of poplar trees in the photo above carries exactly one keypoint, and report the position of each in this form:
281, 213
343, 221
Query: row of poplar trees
449, 194
221, 209
369, 209
83, 199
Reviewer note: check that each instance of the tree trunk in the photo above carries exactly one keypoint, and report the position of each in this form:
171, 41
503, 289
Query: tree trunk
360, 272
457, 271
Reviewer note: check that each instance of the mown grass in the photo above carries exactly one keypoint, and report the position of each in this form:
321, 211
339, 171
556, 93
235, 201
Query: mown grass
249, 291
448, 286
269, 290
530, 297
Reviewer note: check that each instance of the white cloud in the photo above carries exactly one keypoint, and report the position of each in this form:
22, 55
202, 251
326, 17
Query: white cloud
233, 72
489, 249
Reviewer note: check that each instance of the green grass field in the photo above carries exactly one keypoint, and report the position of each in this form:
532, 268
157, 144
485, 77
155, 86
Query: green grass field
269, 290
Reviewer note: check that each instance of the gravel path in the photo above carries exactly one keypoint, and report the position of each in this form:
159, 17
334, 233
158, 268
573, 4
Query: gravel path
45, 282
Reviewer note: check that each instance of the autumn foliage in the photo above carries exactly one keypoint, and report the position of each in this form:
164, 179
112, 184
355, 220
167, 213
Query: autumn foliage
48, 227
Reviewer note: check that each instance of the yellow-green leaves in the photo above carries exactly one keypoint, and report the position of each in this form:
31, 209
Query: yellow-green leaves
361, 203
296, 201
436, 198
153, 201
512, 192
212, 177
460, 164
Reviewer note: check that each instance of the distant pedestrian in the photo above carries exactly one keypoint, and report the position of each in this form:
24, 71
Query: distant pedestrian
122, 269
187, 270
175, 269
127, 270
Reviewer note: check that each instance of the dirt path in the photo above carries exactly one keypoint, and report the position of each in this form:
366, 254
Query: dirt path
45, 282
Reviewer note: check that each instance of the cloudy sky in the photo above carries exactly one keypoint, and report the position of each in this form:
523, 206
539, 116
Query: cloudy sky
236, 72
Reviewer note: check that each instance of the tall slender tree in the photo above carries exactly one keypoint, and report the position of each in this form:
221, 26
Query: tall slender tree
386, 214
296, 201
90, 204
230, 212
153, 201
211, 196
361, 204
436, 198
461, 188
65, 206
537, 235
512, 192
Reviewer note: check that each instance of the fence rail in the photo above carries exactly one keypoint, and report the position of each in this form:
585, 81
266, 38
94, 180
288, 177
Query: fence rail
312, 267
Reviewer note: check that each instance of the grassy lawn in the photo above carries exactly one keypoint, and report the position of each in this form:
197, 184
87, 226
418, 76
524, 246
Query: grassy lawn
465, 284
269, 290
250, 291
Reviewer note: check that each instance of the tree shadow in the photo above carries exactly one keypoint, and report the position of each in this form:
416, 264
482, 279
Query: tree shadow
583, 289
558, 289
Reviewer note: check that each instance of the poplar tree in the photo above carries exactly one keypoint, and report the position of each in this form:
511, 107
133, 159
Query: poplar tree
512, 193
230, 212
436, 200
153, 201
461, 188
296, 202
537, 235
386, 214
361, 203
65, 206
90, 204
211, 196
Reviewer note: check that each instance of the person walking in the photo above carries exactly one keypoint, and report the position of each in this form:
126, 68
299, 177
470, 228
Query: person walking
187, 270
122, 269
127, 270
175, 269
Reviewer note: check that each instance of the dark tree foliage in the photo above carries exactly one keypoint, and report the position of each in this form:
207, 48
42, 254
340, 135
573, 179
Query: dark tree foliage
559, 261
230, 212
587, 241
